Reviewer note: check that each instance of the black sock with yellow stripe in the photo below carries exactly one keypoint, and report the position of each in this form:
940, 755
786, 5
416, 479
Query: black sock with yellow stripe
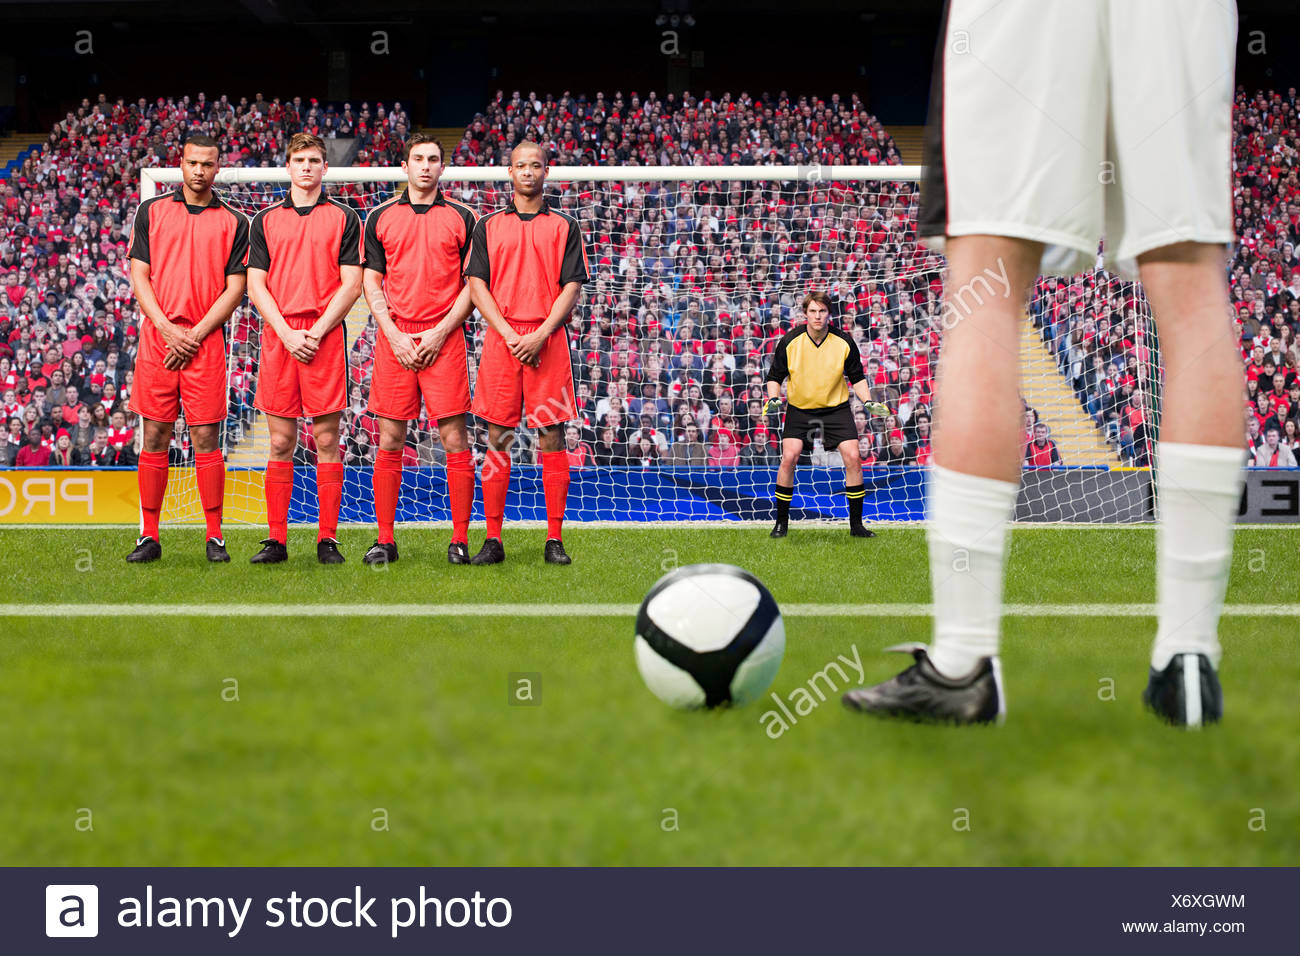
856, 495
783, 497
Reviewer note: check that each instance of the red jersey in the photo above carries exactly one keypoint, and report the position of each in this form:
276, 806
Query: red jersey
301, 248
420, 249
527, 258
190, 250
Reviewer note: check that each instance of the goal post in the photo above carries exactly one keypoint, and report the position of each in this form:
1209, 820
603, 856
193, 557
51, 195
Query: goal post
694, 273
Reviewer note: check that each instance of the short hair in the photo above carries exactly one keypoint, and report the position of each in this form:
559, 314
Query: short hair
420, 137
304, 141
530, 144
819, 297
202, 140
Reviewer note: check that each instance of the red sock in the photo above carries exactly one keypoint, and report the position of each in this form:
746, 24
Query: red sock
388, 486
460, 488
152, 478
210, 475
277, 485
555, 482
496, 482
329, 489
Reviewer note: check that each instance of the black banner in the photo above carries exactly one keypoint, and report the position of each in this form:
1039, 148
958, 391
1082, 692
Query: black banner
660, 911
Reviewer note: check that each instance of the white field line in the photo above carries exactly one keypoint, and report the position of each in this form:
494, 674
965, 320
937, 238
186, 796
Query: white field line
581, 610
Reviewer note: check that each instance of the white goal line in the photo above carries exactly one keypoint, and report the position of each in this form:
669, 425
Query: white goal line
582, 610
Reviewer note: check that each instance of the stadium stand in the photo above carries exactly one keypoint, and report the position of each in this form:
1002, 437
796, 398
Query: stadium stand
674, 331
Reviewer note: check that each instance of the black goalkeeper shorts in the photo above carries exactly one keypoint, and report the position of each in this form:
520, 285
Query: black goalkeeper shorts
832, 425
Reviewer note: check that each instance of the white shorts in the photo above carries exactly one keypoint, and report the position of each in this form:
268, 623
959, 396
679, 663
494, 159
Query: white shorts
1066, 121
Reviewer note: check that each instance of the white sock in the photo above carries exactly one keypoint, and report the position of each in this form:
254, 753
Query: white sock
968, 534
1199, 488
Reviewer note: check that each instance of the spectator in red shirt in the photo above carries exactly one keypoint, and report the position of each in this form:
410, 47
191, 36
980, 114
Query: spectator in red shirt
33, 454
724, 453
579, 452
1042, 451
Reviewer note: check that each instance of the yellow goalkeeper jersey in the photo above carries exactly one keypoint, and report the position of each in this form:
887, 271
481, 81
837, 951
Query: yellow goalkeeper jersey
816, 371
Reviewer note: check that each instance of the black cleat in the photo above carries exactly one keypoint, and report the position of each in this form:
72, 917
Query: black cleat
217, 552
861, 531
146, 549
378, 554
922, 693
327, 551
1186, 693
273, 552
492, 552
458, 553
555, 553
779, 530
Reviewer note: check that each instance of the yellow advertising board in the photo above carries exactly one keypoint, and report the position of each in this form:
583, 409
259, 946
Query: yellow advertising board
112, 497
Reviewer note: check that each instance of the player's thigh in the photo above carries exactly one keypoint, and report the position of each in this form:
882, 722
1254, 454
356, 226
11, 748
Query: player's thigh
392, 432
324, 380
1017, 125
848, 450
206, 438
283, 432
1171, 79
279, 390
838, 427
1187, 287
325, 430
203, 383
498, 390
157, 435
548, 386
394, 391
453, 433
155, 393
444, 385
988, 273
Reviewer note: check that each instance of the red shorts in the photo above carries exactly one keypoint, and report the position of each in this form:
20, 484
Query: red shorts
395, 391
159, 393
288, 388
504, 385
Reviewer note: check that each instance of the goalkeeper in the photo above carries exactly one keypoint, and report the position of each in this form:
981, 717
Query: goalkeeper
817, 358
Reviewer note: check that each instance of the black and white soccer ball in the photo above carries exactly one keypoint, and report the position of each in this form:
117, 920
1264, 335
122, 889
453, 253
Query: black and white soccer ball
709, 635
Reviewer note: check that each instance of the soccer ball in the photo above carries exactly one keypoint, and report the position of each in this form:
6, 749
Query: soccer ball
708, 635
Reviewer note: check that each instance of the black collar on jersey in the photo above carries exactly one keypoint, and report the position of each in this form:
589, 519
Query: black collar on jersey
525, 216
808, 332
321, 200
421, 208
178, 195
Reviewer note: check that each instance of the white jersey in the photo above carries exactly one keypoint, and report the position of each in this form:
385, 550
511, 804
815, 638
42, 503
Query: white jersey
1066, 121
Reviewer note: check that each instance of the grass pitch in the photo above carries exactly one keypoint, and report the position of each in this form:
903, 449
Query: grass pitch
393, 740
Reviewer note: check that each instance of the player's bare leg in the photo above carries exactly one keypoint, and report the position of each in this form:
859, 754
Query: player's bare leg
973, 486
496, 483
329, 486
151, 476
555, 483
460, 484
277, 486
791, 449
854, 490
210, 477
1199, 475
387, 485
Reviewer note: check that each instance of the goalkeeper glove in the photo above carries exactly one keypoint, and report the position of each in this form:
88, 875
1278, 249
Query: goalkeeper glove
772, 406
876, 408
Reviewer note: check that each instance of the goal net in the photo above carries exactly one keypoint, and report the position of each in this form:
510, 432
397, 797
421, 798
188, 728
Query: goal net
695, 274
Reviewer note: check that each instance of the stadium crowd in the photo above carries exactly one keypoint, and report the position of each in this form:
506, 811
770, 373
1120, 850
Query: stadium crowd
692, 282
